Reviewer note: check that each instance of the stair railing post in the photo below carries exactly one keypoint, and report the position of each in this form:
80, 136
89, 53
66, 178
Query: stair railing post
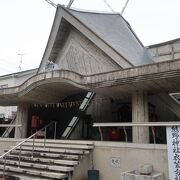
154, 134
19, 155
33, 146
8, 133
125, 133
55, 126
100, 132
45, 137
4, 167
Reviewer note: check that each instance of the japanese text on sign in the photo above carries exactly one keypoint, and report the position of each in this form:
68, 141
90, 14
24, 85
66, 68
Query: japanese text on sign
173, 145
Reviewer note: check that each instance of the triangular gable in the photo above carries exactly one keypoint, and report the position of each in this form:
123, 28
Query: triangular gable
80, 55
59, 32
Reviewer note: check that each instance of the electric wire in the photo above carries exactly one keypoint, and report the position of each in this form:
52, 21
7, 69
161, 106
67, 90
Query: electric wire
70, 3
123, 9
108, 5
51, 3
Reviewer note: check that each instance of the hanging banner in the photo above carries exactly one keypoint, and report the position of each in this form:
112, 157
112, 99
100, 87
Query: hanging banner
173, 147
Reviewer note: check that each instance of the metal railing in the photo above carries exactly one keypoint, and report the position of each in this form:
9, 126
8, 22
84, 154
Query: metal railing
9, 128
10, 125
135, 124
21, 143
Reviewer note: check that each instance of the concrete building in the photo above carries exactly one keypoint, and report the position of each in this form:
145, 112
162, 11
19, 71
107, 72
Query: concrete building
13, 80
100, 53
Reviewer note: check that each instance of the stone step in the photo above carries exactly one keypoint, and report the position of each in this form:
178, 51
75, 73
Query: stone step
43, 160
18, 176
39, 173
50, 145
54, 161
38, 165
47, 155
42, 149
59, 141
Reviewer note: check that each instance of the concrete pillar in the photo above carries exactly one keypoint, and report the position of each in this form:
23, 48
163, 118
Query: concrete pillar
21, 118
140, 113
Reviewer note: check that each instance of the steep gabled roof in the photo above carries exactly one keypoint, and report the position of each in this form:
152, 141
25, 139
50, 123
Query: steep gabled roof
110, 32
115, 30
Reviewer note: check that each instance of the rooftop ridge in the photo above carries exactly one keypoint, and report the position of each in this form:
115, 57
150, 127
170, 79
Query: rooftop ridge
90, 11
163, 43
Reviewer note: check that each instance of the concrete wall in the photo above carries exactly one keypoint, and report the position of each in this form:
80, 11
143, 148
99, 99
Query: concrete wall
81, 171
22, 119
82, 56
16, 79
162, 109
130, 155
165, 51
101, 109
13, 80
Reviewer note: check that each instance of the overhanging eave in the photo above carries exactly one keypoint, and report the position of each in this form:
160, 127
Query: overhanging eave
153, 78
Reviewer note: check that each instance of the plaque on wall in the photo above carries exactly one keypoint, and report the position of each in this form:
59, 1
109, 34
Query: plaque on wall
173, 147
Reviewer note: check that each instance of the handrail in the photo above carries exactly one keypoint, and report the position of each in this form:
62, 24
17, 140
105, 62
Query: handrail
10, 125
19, 144
134, 124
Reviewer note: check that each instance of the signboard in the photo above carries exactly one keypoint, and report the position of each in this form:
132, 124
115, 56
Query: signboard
115, 162
173, 146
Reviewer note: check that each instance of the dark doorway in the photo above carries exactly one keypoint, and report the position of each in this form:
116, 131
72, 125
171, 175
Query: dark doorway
62, 114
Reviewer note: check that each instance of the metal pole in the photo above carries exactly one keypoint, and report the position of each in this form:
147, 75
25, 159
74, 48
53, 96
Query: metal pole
70, 3
8, 132
21, 59
154, 135
125, 132
4, 167
20, 155
33, 146
124, 7
101, 135
108, 5
45, 138
55, 126
138, 124
51, 3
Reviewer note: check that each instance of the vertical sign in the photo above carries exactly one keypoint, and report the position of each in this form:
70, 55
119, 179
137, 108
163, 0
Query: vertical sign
173, 147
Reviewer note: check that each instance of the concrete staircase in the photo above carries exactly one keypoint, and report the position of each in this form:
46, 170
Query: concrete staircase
56, 160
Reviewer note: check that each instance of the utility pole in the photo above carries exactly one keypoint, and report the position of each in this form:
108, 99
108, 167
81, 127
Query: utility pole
20, 62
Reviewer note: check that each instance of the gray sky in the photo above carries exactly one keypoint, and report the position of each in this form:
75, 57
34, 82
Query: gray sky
26, 24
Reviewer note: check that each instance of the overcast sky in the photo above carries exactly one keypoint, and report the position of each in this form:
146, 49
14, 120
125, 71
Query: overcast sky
26, 24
